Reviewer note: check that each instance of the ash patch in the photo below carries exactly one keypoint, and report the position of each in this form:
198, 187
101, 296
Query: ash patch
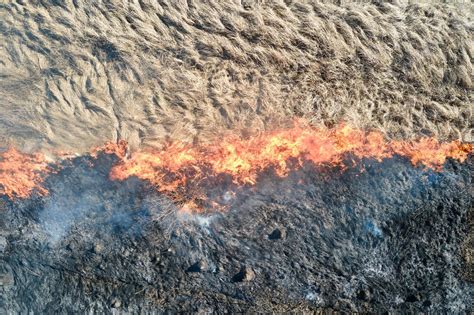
383, 240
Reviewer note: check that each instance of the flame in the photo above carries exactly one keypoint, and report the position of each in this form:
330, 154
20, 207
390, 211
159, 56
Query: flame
182, 171
185, 172
118, 148
21, 174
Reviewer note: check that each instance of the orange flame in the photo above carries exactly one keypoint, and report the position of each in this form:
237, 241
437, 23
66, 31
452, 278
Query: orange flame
183, 171
20, 173
119, 149
180, 169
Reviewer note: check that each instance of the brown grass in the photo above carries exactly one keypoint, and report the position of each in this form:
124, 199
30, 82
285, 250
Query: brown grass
76, 73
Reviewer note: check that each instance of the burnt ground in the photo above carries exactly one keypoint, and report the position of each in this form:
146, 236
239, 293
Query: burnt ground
389, 238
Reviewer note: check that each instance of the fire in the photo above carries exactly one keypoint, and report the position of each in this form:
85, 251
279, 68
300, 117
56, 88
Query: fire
119, 149
431, 153
183, 171
21, 174
191, 174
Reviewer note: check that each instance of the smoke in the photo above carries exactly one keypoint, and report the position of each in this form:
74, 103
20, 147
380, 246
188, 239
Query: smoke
61, 213
82, 197
338, 231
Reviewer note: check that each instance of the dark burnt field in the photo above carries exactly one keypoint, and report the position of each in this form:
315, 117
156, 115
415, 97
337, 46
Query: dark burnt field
392, 237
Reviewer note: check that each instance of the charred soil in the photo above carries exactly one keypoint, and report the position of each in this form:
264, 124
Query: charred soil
380, 237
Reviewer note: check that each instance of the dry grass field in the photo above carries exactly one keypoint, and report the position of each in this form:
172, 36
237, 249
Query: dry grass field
76, 73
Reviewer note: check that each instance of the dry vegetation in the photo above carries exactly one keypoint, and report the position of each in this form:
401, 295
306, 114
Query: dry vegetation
76, 73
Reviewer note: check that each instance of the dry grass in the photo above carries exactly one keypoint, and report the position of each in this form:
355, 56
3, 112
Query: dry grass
76, 73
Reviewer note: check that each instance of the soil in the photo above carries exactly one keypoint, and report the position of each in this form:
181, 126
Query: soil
379, 237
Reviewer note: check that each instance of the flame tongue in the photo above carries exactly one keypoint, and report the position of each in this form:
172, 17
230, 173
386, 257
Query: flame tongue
187, 173
20, 173
186, 170
431, 153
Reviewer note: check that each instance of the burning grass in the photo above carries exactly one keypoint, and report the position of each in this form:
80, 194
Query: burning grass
21, 173
186, 172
